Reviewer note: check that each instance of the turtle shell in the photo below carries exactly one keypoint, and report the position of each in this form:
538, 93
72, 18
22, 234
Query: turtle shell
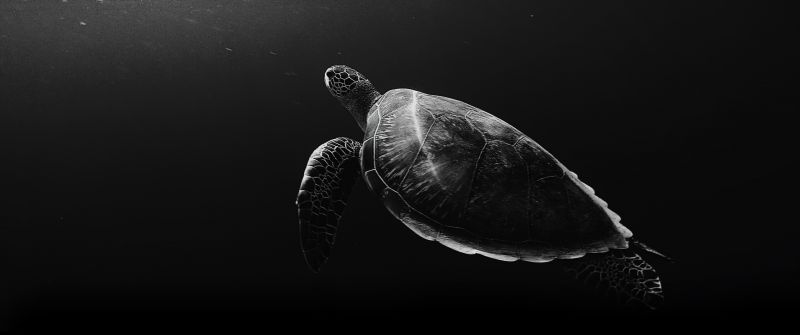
461, 176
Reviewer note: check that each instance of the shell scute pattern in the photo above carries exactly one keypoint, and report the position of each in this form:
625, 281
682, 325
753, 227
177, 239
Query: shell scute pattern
494, 128
440, 176
477, 184
497, 204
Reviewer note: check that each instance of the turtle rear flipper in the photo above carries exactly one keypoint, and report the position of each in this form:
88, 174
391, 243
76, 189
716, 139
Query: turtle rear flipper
624, 273
327, 181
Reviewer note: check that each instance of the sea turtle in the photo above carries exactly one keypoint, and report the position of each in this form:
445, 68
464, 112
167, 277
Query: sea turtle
456, 174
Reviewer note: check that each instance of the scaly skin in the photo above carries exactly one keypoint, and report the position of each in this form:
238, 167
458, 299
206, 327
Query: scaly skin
327, 181
623, 272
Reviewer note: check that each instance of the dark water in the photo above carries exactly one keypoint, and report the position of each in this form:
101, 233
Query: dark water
151, 152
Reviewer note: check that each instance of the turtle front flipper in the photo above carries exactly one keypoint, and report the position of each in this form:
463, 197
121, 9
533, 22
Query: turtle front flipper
624, 273
327, 181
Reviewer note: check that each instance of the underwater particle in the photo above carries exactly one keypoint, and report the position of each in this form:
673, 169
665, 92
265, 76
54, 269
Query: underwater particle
531, 15
273, 53
290, 74
339, 53
229, 49
193, 21
82, 23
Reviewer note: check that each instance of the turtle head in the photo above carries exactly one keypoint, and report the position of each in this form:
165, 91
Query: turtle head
353, 90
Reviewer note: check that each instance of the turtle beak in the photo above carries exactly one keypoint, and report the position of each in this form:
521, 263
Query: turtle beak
328, 75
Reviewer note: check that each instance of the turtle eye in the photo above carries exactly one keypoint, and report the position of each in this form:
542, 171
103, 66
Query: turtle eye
329, 74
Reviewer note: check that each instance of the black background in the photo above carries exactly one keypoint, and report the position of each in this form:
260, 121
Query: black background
151, 153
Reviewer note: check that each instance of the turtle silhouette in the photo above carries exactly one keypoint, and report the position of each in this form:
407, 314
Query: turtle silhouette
456, 174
